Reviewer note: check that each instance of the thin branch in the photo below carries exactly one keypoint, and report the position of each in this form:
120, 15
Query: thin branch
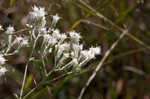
92, 23
113, 24
26, 68
101, 63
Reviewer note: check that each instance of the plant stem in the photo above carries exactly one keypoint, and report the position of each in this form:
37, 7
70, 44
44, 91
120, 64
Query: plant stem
26, 68
100, 64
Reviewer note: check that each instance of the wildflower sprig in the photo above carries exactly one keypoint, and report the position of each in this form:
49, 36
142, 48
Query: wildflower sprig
57, 51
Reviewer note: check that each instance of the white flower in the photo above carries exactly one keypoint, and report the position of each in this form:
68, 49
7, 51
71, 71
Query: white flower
63, 37
19, 39
90, 54
1, 28
74, 36
56, 18
96, 50
38, 18
10, 30
43, 30
74, 61
2, 71
25, 42
50, 50
76, 49
66, 55
38, 12
56, 34
52, 41
47, 37
29, 25
87, 54
2, 60
64, 46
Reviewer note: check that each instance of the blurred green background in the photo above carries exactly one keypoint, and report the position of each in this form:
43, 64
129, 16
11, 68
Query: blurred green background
125, 74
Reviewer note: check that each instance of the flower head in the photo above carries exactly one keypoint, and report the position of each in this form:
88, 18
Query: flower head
52, 41
56, 34
2, 71
38, 12
56, 18
25, 42
74, 36
87, 54
2, 60
19, 39
37, 17
10, 30
64, 47
1, 28
96, 50
91, 53
74, 61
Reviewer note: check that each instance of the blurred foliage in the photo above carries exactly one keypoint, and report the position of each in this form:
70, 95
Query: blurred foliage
125, 74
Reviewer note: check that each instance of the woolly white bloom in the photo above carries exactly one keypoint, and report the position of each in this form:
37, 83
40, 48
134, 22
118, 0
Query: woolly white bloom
76, 49
47, 37
37, 17
66, 55
38, 12
10, 30
56, 18
56, 34
64, 46
1, 28
2, 60
63, 37
2, 71
19, 39
96, 50
43, 30
74, 36
90, 54
50, 50
87, 54
52, 41
29, 25
25, 42
74, 61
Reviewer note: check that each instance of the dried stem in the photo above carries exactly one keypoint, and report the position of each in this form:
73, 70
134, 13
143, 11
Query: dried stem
114, 25
101, 63
26, 68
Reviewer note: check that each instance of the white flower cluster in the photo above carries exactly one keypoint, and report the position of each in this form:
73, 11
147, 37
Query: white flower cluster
68, 51
37, 17
2, 62
10, 30
21, 41
1, 28
2, 71
74, 36
13, 40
